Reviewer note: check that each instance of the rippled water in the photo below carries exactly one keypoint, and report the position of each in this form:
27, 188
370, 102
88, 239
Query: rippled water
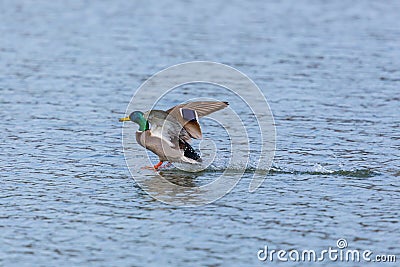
329, 70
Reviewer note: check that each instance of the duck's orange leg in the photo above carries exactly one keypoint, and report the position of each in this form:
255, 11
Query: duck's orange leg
158, 165
155, 167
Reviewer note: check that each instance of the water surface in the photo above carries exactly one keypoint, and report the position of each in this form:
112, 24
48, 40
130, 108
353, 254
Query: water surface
329, 70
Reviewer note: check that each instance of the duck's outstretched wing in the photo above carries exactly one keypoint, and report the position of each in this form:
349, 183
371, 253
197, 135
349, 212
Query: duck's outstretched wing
166, 127
188, 114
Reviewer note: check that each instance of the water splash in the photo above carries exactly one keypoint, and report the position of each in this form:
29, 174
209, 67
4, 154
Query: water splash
317, 169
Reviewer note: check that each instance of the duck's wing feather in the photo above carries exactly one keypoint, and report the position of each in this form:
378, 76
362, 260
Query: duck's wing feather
202, 108
166, 127
188, 114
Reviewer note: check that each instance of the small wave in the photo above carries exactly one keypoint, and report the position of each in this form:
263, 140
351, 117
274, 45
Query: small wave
349, 173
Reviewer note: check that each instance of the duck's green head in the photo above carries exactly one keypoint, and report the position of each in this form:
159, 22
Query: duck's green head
137, 117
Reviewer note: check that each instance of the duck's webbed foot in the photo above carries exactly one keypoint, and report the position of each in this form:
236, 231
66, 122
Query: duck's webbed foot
167, 165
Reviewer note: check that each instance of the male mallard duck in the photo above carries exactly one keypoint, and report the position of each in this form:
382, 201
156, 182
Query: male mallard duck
171, 130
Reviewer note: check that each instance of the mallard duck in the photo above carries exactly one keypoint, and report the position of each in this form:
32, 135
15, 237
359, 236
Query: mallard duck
168, 133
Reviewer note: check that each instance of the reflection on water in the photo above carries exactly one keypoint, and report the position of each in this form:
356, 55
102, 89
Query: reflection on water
69, 69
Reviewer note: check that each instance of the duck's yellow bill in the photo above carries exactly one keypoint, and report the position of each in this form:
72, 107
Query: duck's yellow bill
124, 119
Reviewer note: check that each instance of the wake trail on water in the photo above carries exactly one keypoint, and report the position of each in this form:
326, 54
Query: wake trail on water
317, 169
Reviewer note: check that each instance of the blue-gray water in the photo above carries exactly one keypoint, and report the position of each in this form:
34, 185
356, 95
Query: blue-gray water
330, 71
